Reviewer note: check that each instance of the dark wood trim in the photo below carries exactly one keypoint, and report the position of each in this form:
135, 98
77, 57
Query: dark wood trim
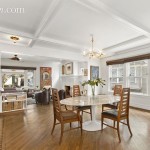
18, 67
129, 59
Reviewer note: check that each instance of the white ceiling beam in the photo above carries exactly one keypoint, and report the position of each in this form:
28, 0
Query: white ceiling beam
46, 19
99, 6
42, 52
136, 39
58, 42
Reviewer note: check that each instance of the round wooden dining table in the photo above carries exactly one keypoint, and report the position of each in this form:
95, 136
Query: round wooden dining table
93, 101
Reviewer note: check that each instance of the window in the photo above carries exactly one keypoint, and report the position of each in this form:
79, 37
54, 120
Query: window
116, 75
137, 76
30, 77
132, 74
12, 78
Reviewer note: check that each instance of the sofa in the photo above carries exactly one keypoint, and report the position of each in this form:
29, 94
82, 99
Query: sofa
30, 92
11, 90
43, 97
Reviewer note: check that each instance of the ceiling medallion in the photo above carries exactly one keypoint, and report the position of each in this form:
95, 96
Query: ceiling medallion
14, 38
93, 53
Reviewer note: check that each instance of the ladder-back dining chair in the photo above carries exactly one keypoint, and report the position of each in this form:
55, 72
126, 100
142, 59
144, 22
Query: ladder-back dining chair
117, 92
76, 92
62, 96
63, 117
118, 115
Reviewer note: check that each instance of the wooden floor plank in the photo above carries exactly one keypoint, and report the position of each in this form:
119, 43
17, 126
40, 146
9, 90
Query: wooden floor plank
32, 131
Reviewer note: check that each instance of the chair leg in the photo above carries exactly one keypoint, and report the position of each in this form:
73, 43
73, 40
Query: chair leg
81, 124
102, 108
102, 119
70, 124
53, 125
129, 126
118, 131
91, 113
62, 130
114, 123
66, 107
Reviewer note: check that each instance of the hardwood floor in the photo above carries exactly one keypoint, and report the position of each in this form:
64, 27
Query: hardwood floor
31, 130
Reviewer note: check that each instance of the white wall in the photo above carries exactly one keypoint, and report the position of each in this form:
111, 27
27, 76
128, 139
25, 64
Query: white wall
140, 101
74, 79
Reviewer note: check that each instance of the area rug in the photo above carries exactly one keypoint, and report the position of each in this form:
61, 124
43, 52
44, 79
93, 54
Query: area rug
30, 101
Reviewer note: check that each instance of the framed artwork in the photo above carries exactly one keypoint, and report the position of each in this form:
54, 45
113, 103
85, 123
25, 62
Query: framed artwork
69, 68
85, 72
45, 76
94, 72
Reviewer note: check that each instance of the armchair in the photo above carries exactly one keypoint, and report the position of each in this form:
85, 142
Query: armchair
43, 97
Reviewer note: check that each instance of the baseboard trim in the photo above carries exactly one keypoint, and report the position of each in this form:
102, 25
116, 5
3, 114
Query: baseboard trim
141, 109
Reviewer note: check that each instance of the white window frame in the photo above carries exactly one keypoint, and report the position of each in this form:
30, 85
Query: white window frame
117, 77
126, 78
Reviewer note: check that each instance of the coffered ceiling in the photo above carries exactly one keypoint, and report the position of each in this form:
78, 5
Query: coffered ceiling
67, 24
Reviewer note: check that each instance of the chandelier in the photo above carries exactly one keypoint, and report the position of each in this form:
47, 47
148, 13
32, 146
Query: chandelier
93, 53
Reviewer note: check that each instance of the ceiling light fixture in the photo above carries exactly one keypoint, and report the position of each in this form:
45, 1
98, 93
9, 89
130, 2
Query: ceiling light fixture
93, 53
15, 58
14, 38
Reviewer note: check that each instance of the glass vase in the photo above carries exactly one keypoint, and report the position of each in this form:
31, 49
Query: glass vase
93, 90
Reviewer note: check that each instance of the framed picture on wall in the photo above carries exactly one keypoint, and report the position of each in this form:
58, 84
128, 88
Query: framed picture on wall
69, 68
45, 76
94, 72
85, 72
